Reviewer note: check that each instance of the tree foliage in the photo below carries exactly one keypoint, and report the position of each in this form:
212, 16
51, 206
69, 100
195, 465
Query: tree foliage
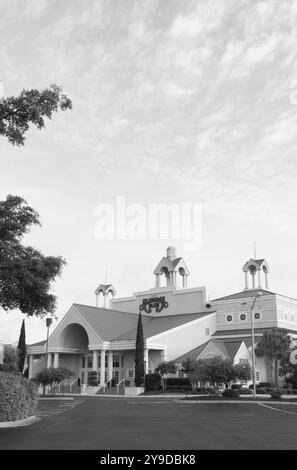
165, 368
22, 350
217, 371
30, 107
274, 345
51, 376
25, 273
139, 354
10, 363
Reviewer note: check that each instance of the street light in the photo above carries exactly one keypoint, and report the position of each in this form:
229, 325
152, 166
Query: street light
253, 342
49, 321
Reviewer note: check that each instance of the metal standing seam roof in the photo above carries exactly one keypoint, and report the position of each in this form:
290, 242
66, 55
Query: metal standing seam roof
228, 348
155, 325
244, 294
107, 323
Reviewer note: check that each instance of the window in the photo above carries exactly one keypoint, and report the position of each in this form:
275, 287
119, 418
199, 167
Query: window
130, 373
207, 331
292, 317
257, 375
116, 360
243, 316
257, 316
90, 362
229, 318
286, 316
83, 362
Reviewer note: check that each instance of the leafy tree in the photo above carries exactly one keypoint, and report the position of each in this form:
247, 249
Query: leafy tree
25, 273
165, 368
139, 354
189, 366
243, 371
30, 107
10, 363
22, 350
52, 376
273, 345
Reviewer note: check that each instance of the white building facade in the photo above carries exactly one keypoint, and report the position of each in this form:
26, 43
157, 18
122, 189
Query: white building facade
178, 323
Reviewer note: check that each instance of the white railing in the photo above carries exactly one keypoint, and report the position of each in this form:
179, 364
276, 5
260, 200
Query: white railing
118, 385
105, 385
75, 380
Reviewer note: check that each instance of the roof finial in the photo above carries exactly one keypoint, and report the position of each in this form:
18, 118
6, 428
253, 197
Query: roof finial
105, 276
255, 254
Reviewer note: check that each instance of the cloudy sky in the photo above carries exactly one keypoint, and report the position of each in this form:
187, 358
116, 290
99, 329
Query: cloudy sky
187, 102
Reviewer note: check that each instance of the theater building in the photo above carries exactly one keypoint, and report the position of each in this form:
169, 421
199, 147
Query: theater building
178, 323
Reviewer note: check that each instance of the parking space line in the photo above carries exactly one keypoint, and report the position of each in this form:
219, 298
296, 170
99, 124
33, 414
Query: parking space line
276, 409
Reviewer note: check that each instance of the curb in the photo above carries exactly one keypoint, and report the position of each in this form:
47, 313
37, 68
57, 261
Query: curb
19, 422
264, 402
55, 398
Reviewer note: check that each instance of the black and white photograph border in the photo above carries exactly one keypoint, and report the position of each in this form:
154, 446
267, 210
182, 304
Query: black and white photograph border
148, 203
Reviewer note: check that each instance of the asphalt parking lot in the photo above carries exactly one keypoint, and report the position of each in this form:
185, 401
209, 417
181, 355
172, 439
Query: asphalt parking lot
155, 423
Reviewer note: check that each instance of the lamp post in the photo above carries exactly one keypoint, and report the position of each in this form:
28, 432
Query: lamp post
253, 343
48, 324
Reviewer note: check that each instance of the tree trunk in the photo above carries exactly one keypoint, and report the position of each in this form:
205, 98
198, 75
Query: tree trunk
269, 369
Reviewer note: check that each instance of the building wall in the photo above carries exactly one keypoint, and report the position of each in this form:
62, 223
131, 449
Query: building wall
187, 337
266, 306
286, 313
179, 301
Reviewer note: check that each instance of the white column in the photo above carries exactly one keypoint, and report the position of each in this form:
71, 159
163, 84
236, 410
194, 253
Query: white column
253, 280
110, 365
86, 369
49, 360
146, 361
56, 360
31, 357
157, 280
163, 355
266, 280
185, 280
102, 368
105, 299
95, 361
246, 274
259, 279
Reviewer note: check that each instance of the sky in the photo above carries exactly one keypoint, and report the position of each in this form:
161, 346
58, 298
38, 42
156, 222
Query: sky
174, 102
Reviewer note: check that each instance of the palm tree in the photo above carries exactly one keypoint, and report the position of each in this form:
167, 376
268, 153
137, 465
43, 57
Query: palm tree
273, 345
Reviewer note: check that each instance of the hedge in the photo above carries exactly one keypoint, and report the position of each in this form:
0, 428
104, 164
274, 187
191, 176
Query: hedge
231, 392
152, 382
178, 382
245, 391
17, 397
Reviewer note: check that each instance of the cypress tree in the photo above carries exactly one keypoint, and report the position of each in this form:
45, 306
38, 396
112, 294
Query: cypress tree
139, 354
22, 350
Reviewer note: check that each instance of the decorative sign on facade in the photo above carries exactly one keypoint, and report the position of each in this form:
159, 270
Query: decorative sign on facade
157, 303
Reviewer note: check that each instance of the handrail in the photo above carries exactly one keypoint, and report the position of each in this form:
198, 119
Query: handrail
104, 386
118, 385
73, 383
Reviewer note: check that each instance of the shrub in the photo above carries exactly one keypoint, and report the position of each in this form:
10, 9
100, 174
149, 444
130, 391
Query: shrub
152, 383
178, 382
17, 397
202, 390
294, 391
276, 394
231, 393
236, 386
262, 391
245, 391
264, 385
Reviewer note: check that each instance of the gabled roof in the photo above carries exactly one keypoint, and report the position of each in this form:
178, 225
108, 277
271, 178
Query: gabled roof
228, 348
245, 294
40, 343
107, 323
155, 325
